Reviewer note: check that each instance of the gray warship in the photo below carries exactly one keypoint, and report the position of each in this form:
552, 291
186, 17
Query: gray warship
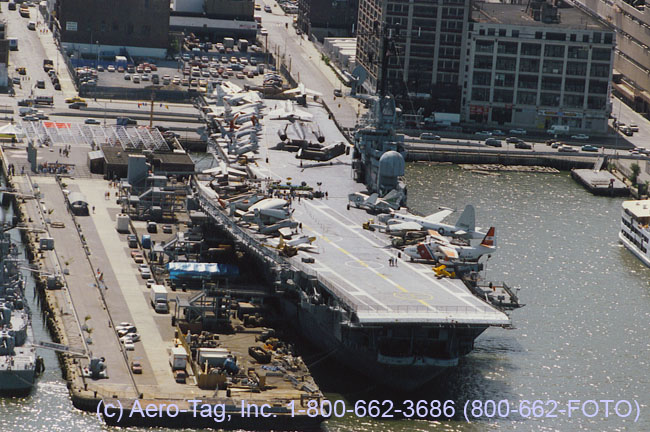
19, 364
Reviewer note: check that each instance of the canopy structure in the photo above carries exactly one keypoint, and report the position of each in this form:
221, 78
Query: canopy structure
10, 131
49, 132
191, 270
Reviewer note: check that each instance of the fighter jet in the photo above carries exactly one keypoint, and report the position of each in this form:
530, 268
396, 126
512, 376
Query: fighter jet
440, 249
301, 91
288, 111
373, 203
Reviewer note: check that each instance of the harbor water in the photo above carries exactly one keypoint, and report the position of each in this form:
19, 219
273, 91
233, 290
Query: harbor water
582, 335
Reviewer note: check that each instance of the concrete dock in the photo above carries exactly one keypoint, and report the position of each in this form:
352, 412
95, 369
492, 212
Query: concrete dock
101, 288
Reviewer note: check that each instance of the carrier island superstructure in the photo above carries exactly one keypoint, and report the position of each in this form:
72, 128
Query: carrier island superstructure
348, 292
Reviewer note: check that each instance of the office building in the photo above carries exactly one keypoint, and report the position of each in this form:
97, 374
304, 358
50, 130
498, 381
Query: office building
326, 18
631, 21
214, 19
109, 28
424, 43
535, 65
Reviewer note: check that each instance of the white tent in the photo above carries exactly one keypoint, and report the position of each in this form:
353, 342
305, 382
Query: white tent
10, 130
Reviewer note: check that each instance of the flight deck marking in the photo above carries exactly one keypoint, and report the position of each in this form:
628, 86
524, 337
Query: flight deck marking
473, 305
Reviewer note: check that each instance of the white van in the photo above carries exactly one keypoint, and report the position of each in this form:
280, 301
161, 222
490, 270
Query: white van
23, 111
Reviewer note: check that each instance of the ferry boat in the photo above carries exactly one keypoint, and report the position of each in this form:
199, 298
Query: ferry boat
635, 233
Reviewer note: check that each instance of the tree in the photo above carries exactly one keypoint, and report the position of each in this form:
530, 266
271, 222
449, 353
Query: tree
636, 169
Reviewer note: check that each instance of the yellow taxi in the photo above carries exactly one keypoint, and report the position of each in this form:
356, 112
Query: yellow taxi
75, 99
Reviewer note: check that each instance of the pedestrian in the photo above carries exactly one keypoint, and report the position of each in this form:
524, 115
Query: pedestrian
390, 262
93, 209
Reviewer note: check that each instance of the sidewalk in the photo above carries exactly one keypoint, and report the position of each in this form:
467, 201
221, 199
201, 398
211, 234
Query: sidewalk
53, 53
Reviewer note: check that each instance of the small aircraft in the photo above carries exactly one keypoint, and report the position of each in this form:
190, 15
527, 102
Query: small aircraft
277, 228
399, 223
243, 98
269, 210
373, 203
320, 153
301, 91
440, 249
288, 111
291, 247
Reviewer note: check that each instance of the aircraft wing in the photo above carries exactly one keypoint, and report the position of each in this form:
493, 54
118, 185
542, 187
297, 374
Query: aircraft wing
404, 226
449, 253
439, 216
303, 115
437, 236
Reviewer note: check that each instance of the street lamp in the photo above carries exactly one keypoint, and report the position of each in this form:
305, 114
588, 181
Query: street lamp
97, 42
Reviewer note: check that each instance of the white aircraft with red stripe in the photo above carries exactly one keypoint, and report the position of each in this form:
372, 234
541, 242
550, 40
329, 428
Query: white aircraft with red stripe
441, 249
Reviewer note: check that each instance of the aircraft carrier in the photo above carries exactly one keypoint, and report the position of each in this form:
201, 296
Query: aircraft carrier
400, 325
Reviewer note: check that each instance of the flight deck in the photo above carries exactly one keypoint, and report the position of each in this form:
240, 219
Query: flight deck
353, 263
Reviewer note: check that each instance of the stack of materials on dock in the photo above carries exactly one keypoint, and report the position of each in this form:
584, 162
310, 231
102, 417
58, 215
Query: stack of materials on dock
600, 182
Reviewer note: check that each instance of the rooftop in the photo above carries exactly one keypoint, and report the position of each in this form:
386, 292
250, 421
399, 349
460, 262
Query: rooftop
640, 208
522, 15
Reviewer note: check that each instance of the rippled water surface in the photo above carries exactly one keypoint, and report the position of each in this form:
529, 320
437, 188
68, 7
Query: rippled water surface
582, 335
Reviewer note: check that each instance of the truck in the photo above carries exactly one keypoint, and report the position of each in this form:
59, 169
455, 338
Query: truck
178, 358
558, 129
47, 65
44, 100
229, 42
13, 44
242, 45
158, 297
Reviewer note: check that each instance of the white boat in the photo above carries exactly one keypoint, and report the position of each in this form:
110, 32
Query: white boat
635, 231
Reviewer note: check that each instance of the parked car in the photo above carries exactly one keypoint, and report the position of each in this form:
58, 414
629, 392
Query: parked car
634, 127
267, 9
110, 68
626, 130
167, 229
580, 137
589, 148
517, 131
137, 256
152, 227
40, 84
129, 345
136, 367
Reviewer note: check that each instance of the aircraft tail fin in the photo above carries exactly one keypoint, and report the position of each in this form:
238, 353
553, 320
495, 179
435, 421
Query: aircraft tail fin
490, 239
372, 199
467, 219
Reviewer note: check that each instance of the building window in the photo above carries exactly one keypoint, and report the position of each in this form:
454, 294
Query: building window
576, 68
597, 36
600, 70
596, 102
600, 54
484, 46
574, 85
572, 38
578, 52
502, 32
550, 99
515, 33
554, 51
501, 95
529, 49
482, 78
528, 65
504, 80
573, 101
506, 63
507, 48
551, 83
526, 98
598, 87
553, 67
481, 94
490, 32
555, 36
538, 35
528, 81
609, 38
585, 38
129, 28
483, 62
